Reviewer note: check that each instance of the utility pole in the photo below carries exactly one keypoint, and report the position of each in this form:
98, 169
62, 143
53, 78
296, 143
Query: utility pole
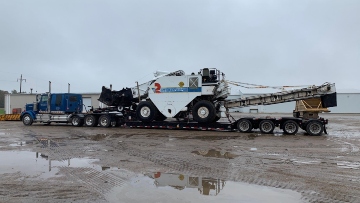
21, 79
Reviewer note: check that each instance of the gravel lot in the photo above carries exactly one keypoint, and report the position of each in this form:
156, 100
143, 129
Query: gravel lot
62, 163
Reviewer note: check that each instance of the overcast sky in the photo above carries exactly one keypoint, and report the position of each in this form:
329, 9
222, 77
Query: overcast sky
90, 43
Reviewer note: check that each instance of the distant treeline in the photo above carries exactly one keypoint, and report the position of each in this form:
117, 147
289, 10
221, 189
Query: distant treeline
2, 98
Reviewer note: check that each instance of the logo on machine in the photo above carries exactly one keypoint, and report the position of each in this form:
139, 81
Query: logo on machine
157, 88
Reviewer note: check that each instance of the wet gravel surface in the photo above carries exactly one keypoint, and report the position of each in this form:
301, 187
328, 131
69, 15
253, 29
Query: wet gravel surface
62, 163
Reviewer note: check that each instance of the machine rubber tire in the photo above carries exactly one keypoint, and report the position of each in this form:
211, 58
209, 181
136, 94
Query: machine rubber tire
266, 126
244, 125
290, 127
204, 112
90, 121
27, 120
77, 121
146, 111
314, 128
105, 121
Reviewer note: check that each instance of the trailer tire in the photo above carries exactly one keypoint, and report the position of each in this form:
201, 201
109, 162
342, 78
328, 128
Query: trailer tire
77, 121
105, 121
314, 128
27, 119
90, 121
266, 126
146, 111
290, 127
204, 112
244, 125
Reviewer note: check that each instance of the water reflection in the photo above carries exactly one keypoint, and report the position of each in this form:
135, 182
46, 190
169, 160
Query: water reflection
206, 186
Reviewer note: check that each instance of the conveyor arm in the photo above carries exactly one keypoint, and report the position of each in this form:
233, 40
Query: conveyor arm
327, 92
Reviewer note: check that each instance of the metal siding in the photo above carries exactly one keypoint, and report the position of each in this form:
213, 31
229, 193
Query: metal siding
94, 99
7, 104
87, 103
19, 101
347, 103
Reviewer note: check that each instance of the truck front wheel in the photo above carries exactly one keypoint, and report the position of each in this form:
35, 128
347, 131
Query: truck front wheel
27, 120
204, 112
146, 111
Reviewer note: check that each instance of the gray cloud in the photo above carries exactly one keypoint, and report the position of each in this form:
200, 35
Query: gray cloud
92, 43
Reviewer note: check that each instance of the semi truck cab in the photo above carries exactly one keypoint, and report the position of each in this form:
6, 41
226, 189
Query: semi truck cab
47, 108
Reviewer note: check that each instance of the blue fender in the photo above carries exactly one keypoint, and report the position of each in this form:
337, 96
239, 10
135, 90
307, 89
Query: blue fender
31, 113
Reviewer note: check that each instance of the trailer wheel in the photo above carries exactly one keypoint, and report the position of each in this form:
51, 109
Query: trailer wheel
244, 125
204, 112
90, 121
266, 126
105, 121
314, 128
290, 127
27, 120
146, 111
77, 121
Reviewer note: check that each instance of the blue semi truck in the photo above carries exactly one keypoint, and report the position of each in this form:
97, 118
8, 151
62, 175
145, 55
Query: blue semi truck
68, 108
59, 108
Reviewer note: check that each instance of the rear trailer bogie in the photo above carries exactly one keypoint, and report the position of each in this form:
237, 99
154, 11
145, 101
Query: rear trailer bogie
290, 126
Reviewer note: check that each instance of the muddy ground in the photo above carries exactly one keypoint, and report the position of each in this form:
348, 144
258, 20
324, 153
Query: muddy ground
61, 163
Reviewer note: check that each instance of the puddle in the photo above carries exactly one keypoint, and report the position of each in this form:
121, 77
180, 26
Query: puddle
37, 164
170, 187
215, 153
99, 137
251, 136
152, 187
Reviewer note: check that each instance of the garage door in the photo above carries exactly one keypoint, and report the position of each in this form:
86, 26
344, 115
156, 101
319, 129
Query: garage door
87, 103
